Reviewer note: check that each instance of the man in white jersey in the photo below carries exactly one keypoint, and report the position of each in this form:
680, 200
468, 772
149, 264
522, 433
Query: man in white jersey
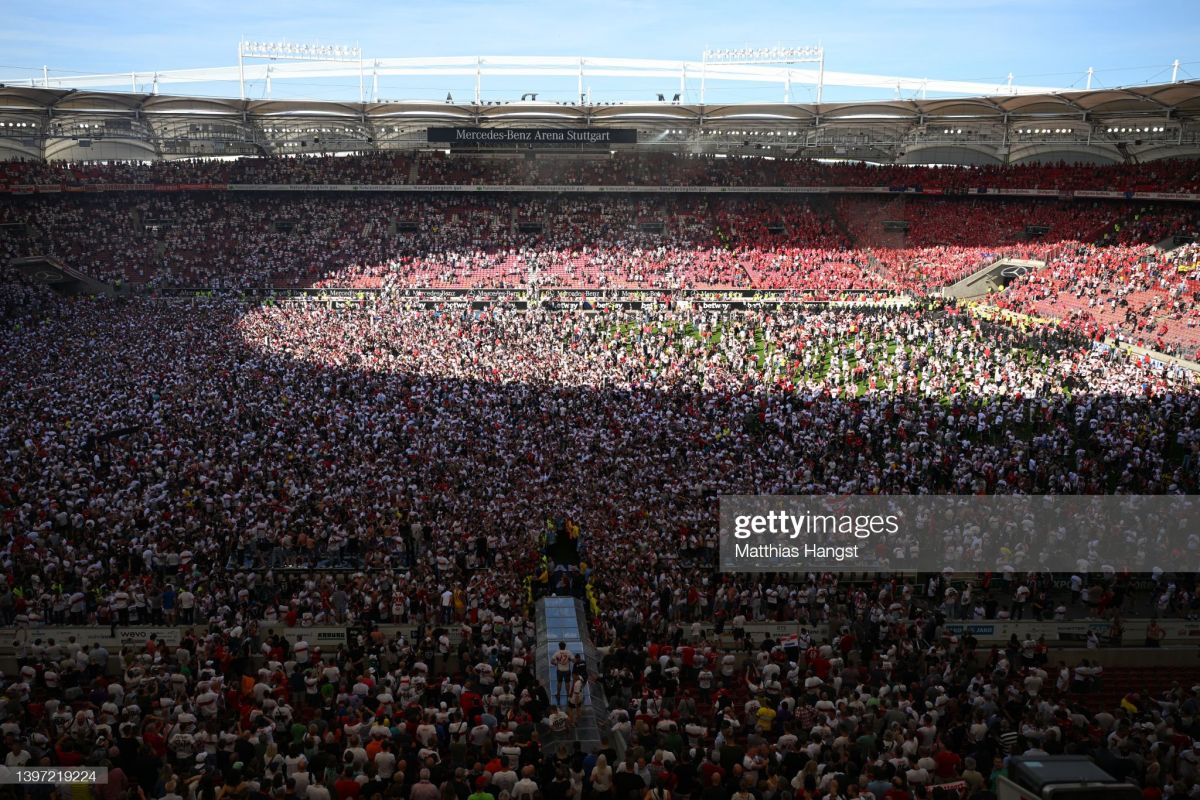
562, 662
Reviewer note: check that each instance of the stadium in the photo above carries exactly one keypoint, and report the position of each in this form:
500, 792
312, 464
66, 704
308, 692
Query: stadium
371, 448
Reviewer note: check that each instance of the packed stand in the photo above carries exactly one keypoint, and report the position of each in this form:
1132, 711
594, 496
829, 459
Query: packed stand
618, 169
1133, 294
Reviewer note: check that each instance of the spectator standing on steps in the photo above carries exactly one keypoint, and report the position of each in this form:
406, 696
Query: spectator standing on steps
563, 663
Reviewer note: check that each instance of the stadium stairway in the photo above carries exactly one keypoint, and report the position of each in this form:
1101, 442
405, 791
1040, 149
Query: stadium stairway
988, 278
823, 206
53, 273
1173, 242
562, 619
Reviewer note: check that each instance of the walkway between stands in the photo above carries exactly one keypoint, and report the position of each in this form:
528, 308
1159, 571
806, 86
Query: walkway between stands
562, 619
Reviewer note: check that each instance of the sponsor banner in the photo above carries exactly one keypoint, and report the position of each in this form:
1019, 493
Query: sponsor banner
483, 137
993, 631
569, 305
318, 636
99, 634
1175, 631
1167, 196
137, 637
21, 189
1079, 631
986, 631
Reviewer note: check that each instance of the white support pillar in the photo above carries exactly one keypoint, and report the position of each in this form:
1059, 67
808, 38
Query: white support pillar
821, 76
682, 80
1175, 71
787, 85
375, 80
362, 92
46, 75
241, 69
580, 87
478, 76
1091, 72
703, 75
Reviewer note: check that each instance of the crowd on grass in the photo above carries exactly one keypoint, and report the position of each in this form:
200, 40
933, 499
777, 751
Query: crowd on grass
243, 469
195, 464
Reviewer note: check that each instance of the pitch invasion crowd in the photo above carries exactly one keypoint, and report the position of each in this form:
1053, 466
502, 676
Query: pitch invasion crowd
622, 169
150, 446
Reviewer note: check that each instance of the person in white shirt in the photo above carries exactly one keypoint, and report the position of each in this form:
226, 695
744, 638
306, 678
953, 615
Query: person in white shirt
385, 762
562, 662
317, 790
17, 756
187, 607
527, 787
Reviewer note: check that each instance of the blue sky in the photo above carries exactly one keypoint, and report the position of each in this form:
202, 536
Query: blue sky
1042, 42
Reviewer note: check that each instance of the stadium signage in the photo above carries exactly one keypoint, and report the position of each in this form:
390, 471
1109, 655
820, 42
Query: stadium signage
530, 136
786, 533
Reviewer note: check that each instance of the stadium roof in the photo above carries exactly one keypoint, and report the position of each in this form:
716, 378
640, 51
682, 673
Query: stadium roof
1101, 125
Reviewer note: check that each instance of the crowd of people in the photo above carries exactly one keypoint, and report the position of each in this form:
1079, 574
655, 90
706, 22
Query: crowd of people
176, 464
237, 470
609, 169
1132, 294
219, 240
212, 240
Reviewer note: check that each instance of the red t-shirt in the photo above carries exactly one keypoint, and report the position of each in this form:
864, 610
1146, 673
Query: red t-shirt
947, 764
347, 788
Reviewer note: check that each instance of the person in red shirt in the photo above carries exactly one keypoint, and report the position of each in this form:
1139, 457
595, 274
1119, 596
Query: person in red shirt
898, 791
948, 763
346, 787
66, 754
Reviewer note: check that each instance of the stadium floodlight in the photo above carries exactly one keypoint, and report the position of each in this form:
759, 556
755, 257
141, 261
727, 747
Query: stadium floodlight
298, 52
291, 51
765, 55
